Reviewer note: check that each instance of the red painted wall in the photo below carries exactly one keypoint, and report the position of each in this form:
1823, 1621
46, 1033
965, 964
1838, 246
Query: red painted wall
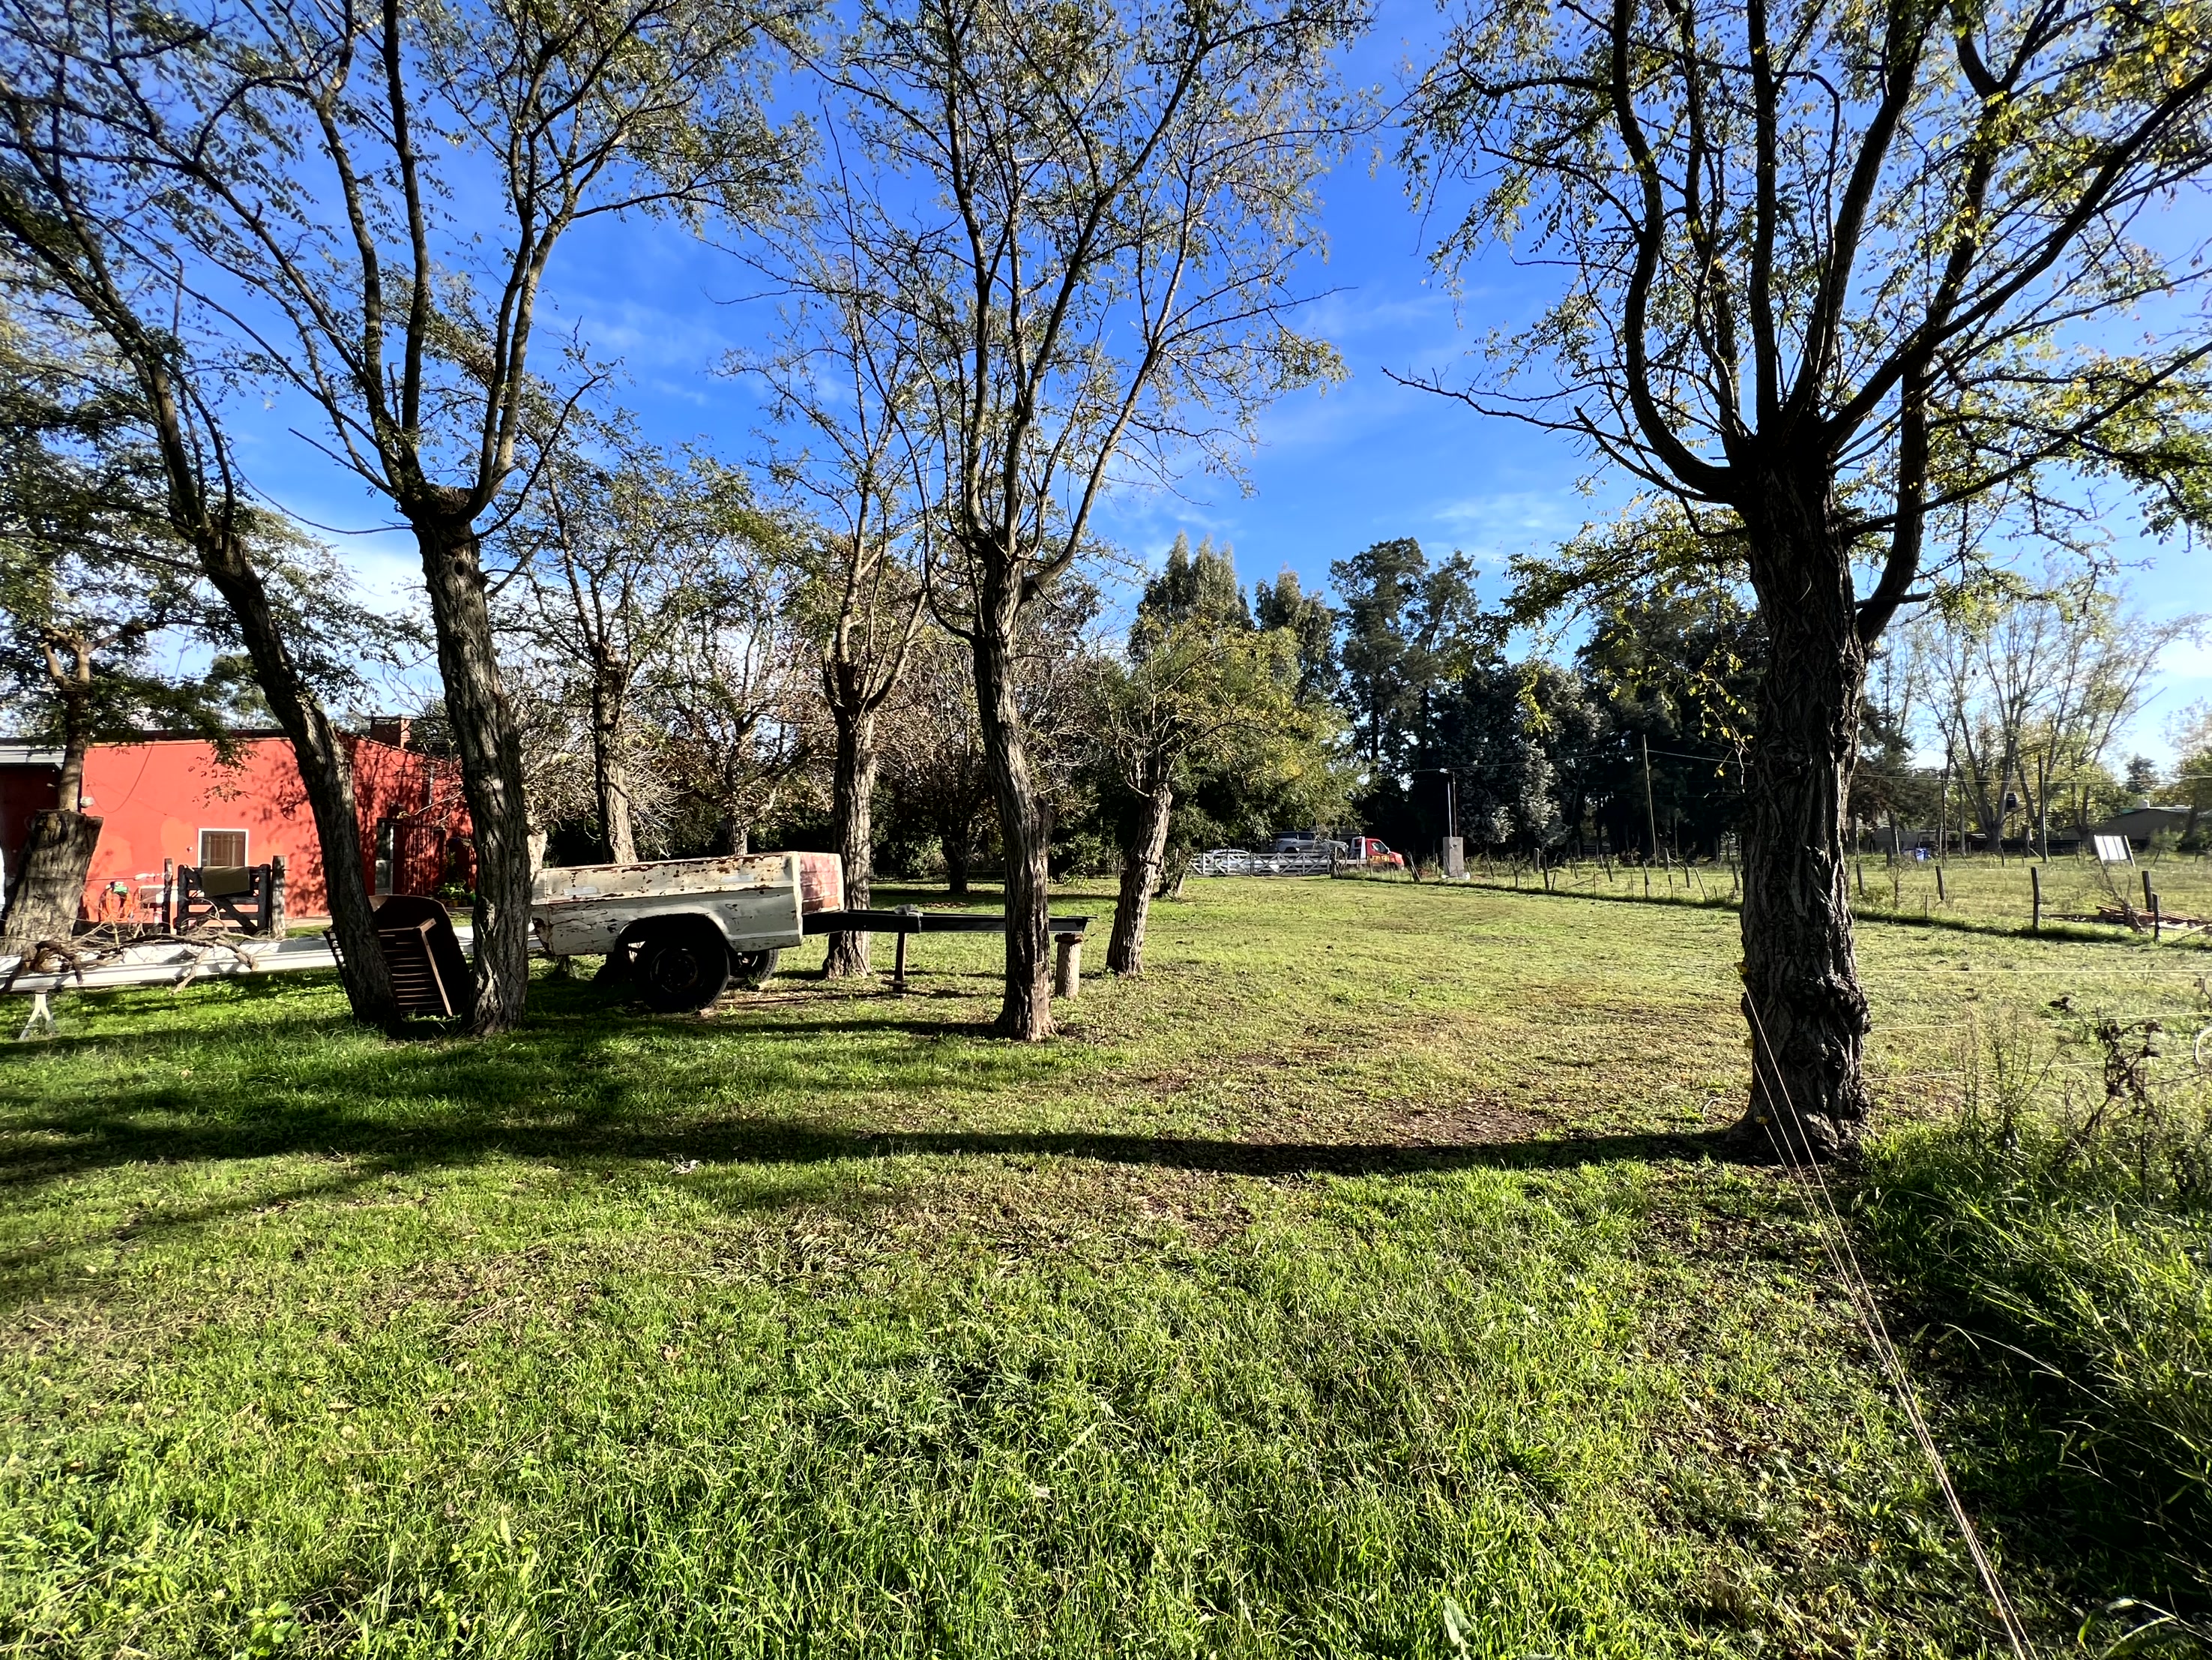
23, 791
155, 799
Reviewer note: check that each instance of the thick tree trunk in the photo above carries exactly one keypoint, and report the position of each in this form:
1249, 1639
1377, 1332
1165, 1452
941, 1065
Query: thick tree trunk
69, 787
852, 823
954, 844
325, 766
1026, 1009
45, 888
491, 769
1802, 997
1140, 874
610, 774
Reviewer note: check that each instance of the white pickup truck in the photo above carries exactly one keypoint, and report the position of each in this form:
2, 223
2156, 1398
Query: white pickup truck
681, 929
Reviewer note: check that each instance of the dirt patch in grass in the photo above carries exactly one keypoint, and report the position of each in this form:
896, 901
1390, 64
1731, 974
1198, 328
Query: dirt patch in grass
1474, 1122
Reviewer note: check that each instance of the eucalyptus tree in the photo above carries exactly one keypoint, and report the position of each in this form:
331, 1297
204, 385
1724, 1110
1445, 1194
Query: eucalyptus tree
370, 198
1840, 276
1095, 213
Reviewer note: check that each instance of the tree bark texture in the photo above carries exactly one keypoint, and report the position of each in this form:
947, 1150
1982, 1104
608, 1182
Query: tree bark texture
1026, 1010
852, 789
325, 766
491, 769
1802, 997
1141, 876
45, 887
610, 774
954, 844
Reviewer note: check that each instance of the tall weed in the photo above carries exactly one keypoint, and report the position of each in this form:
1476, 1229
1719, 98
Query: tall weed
2060, 1221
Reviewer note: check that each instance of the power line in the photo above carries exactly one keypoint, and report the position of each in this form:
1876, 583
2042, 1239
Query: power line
1835, 1239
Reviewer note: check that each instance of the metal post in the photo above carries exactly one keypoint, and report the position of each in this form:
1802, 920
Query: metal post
1942, 820
2035, 903
1650, 816
2043, 804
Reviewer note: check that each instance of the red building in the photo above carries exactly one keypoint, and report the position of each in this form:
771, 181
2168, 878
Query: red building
173, 799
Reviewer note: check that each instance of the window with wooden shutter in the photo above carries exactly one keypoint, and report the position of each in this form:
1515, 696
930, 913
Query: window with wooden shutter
222, 849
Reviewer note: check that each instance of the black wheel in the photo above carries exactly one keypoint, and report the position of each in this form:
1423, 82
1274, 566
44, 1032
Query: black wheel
682, 965
754, 966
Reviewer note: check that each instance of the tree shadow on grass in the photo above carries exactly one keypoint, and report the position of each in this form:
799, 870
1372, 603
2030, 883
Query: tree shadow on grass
402, 1111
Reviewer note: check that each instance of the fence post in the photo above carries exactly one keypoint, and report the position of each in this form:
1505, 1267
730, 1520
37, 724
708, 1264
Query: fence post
1941, 898
2035, 904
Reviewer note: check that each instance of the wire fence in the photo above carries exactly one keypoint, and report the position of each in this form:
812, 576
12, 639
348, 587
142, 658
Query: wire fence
2167, 899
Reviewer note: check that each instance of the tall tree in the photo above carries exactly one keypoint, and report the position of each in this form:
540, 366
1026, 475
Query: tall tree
1837, 272
1102, 206
1282, 605
847, 379
2029, 681
1409, 628
616, 549
88, 578
1201, 689
732, 702
84, 218
319, 168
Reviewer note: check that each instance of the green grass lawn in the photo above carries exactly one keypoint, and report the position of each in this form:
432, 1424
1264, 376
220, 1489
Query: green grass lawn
1363, 1280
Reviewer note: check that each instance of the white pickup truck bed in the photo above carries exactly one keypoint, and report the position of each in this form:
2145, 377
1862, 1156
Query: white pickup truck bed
757, 902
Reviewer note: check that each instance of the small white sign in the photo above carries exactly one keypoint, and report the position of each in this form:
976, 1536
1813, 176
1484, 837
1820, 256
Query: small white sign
2113, 850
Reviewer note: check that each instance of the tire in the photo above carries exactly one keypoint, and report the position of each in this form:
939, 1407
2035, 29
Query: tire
682, 966
753, 967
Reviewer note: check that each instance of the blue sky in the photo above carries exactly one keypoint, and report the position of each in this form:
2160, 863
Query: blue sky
1336, 470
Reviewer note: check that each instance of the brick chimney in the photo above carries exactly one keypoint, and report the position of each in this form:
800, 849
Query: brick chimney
392, 729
